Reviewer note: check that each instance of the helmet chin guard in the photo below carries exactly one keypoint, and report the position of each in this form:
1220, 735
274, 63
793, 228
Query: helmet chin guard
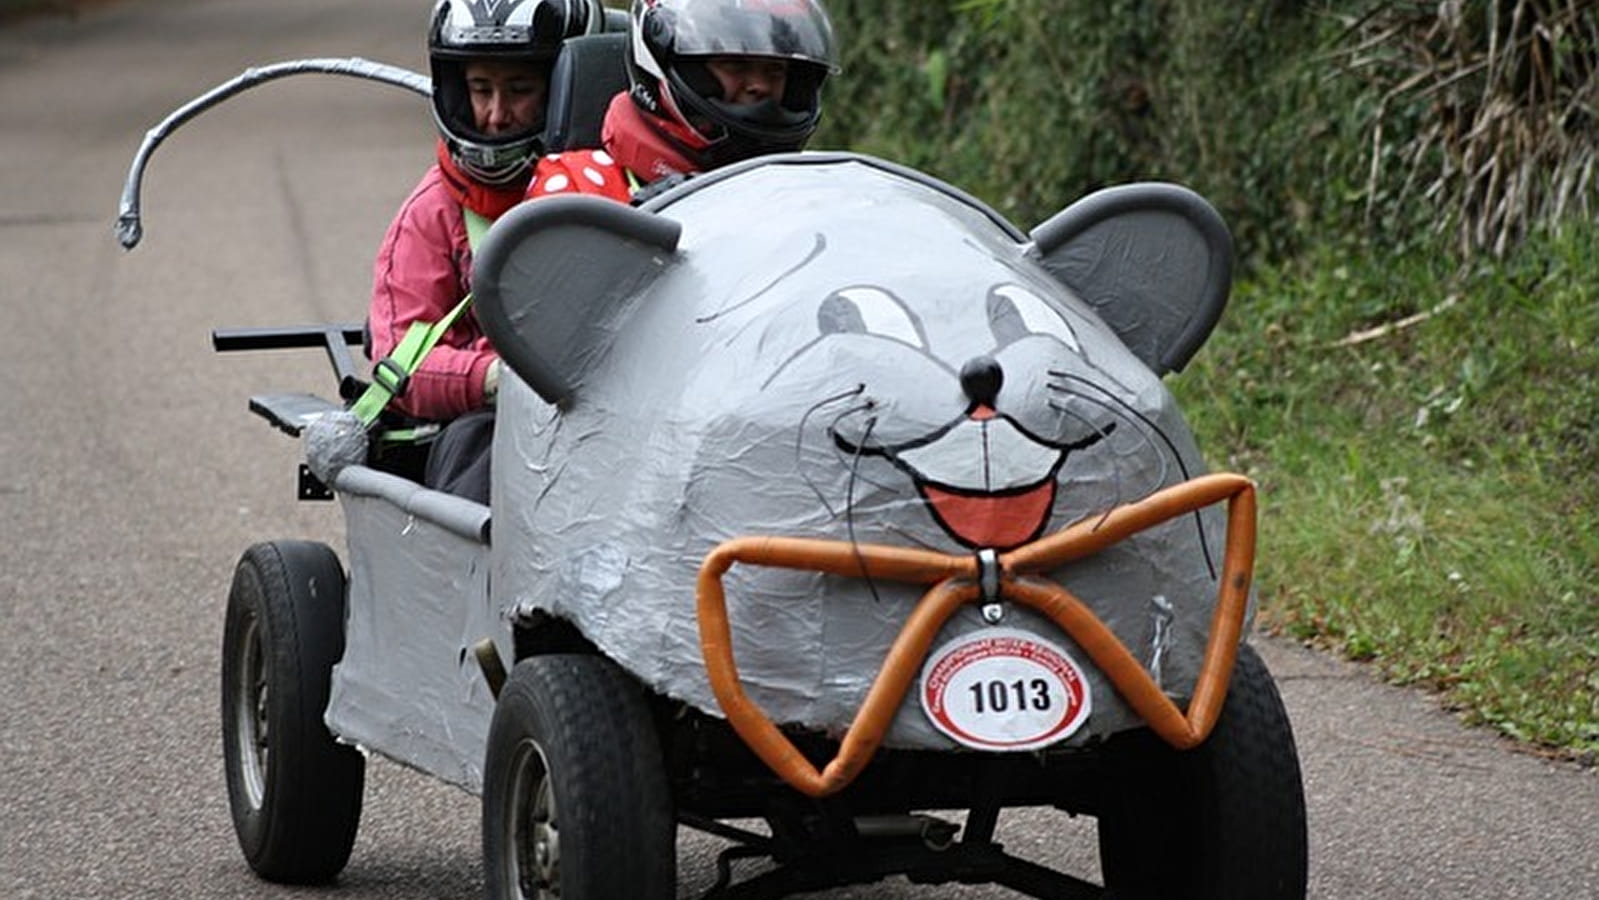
738, 131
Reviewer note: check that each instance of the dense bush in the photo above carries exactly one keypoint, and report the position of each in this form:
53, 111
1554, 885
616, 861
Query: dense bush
1032, 103
1297, 119
1487, 112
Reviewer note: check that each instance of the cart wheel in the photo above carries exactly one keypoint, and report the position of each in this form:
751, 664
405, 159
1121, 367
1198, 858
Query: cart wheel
1223, 821
295, 793
575, 798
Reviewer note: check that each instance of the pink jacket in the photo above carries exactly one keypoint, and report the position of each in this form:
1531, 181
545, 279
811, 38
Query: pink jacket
423, 269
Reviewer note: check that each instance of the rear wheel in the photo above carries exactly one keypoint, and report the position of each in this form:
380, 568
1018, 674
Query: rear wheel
1223, 821
294, 792
575, 796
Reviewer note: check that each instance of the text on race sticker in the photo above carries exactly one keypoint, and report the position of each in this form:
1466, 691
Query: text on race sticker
1004, 689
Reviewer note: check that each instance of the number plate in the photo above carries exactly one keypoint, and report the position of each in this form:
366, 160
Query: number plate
1004, 689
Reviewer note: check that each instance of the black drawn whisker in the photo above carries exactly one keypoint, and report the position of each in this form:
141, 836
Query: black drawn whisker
799, 438
1142, 426
860, 448
1103, 432
849, 510
914, 539
1171, 447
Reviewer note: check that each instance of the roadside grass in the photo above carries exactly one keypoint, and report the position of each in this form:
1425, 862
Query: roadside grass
1426, 443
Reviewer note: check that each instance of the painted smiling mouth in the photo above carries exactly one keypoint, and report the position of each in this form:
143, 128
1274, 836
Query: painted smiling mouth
988, 483
999, 521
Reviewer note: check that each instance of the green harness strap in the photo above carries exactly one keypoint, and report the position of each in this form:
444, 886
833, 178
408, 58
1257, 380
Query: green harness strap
390, 374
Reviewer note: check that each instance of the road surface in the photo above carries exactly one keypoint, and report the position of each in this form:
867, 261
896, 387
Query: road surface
133, 478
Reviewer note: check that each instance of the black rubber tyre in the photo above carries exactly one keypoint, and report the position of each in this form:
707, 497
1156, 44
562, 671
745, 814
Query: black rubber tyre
295, 793
575, 797
1224, 821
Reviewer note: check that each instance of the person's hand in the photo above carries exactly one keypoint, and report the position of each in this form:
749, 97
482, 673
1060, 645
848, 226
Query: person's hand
491, 383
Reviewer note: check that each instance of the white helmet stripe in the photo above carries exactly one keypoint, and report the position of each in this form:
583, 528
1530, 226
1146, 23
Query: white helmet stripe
482, 13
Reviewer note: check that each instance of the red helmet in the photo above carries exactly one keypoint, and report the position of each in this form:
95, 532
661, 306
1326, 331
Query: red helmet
518, 30
670, 42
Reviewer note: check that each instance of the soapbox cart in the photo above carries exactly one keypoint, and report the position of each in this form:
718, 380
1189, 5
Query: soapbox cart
832, 515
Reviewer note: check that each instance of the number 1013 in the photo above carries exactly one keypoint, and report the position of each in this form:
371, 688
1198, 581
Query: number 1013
1000, 696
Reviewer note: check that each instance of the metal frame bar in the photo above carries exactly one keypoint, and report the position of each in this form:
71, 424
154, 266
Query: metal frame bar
129, 227
336, 340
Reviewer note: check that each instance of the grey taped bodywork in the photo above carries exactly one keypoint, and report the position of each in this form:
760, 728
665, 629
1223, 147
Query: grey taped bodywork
790, 363
408, 685
334, 440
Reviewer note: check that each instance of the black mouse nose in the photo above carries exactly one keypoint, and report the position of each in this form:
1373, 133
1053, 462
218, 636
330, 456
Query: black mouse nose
981, 379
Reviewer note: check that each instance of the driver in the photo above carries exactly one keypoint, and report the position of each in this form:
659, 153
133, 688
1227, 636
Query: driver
490, 64
712, 82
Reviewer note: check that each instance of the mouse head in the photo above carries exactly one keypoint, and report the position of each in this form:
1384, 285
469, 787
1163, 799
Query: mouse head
832, 345
829, 346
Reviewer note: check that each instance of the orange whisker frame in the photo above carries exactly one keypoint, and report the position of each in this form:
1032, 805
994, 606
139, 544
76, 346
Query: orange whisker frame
954, 580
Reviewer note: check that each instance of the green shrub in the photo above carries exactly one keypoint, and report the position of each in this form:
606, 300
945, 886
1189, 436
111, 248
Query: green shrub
1031, 104
1298, 119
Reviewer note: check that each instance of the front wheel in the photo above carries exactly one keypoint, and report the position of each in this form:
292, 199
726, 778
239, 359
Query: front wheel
575, 796
1223, 821
294, 792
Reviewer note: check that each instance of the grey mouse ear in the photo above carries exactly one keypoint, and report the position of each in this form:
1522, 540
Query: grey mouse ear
1154, 260
554, 277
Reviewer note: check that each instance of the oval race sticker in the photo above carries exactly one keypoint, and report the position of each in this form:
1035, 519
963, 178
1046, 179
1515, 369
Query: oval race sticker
1004, 689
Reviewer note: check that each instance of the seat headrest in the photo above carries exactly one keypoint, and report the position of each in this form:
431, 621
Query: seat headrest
589, 72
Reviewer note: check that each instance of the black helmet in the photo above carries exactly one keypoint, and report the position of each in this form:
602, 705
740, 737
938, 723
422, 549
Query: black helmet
672, 39
516, 30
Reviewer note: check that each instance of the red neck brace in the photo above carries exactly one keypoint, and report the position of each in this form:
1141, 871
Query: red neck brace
488, 202
649, 147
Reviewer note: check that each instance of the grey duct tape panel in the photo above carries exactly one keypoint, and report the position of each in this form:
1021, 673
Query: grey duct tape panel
831, 347
408, 686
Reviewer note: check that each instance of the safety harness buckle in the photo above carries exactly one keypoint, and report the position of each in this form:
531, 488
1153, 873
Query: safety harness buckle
391, 376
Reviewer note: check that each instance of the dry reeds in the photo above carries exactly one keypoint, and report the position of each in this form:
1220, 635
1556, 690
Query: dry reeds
1489, 110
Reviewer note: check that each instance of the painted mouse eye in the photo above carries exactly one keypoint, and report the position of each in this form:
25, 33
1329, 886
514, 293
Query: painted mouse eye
1015, 312
868, 310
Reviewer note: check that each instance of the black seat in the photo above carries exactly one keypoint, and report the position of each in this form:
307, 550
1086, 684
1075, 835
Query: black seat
589, 72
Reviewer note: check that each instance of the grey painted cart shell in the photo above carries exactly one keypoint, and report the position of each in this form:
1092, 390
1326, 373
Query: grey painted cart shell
609, 491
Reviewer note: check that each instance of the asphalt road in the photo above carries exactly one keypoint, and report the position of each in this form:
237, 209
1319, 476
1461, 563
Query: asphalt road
133, 478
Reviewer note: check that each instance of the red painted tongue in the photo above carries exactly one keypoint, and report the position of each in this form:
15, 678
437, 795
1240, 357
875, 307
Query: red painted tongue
997, 521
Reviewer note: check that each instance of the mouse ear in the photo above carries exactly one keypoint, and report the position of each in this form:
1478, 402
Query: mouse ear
1154, 260
555, 276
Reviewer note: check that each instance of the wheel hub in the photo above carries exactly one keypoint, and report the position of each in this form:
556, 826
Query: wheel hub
535, 829
252, 734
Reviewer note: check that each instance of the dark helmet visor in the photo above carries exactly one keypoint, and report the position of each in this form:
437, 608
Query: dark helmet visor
784, 29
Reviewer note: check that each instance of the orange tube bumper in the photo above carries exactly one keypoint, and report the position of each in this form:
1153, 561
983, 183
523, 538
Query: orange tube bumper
954, 583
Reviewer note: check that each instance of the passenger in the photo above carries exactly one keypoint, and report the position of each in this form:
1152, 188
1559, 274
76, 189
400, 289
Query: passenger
490, 66
713, 82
